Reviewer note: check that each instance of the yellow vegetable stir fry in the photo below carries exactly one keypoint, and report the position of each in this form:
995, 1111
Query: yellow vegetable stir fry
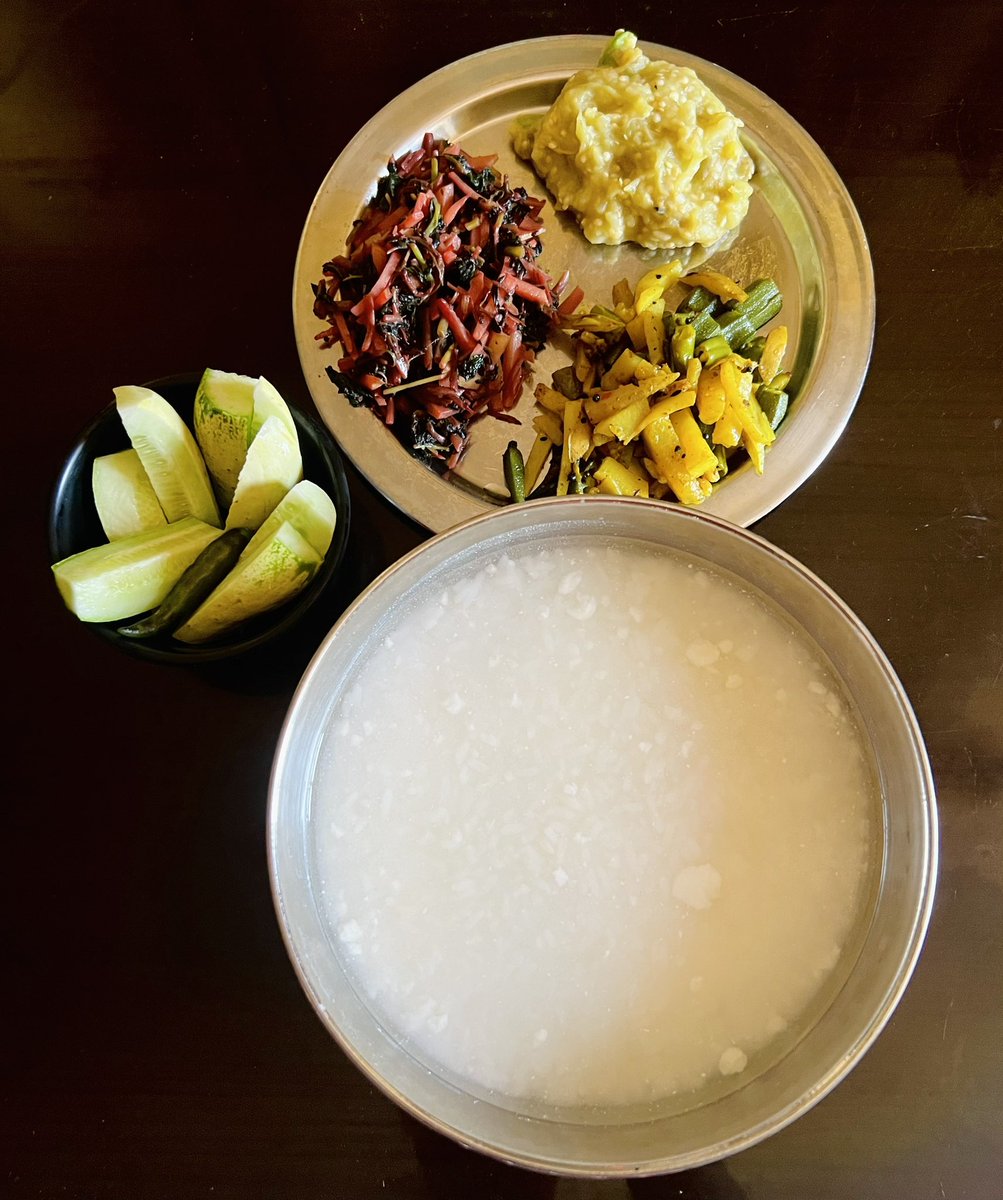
658, 402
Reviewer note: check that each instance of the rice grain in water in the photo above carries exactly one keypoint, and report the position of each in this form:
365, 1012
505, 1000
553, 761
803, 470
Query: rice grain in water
593, 826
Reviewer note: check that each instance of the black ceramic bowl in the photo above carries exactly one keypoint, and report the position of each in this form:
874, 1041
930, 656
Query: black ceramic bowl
74, 525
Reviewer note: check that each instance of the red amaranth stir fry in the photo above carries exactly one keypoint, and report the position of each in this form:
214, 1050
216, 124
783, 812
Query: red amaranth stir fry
439, 303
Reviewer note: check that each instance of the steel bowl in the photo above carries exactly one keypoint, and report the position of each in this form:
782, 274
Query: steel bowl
869, 982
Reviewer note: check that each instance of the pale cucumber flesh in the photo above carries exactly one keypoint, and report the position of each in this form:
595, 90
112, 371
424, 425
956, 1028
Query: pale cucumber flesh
283, 565
310, 511
133, 574
123, 495
269, 403
273, 466
223, 413
169, 454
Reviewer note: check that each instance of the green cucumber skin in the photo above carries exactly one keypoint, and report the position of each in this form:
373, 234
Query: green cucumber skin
212, 565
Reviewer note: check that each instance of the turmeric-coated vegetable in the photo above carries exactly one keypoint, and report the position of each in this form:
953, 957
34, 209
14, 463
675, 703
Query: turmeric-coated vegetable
659, 401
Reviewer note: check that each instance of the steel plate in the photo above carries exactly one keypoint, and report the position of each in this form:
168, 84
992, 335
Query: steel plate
801, 228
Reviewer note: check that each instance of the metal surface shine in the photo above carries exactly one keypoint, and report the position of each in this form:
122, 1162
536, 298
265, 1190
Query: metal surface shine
801, 228
679, 1134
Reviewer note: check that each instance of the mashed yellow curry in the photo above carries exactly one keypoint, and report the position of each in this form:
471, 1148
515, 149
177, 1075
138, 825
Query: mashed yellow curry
641, 151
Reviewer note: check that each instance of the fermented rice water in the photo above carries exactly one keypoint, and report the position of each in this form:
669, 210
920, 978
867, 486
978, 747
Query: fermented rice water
593, 826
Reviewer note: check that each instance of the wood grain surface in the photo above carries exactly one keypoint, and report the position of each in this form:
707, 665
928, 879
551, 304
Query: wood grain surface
156, 165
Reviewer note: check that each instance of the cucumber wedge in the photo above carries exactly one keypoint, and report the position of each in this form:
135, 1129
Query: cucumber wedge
273, 465
268, 403
195, 583
124, 496
132, 574
224, 407
169, 455
283, 565
310, 511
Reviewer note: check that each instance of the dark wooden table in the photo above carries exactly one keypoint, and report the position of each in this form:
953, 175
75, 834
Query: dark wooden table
157, 164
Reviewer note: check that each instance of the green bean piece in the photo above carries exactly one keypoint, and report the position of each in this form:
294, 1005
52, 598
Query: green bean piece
612, 350
700, 300
684, 342
762, 303
720, 453
713, 350
548, 484
618, 44
515, 472
773, 401
753, 348
705, 326
567, 383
